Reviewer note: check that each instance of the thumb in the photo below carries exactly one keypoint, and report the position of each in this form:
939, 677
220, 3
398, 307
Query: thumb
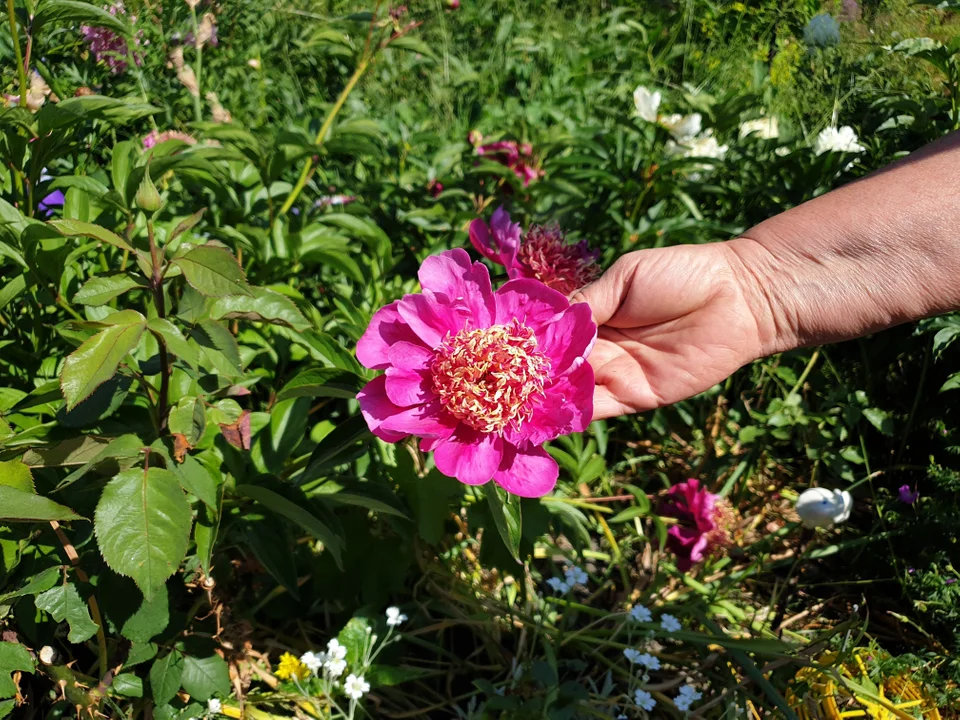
606, 294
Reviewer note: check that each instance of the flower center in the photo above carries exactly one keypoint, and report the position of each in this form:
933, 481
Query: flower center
491, 377
555, 262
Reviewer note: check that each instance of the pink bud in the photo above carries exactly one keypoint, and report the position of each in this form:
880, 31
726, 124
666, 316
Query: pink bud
453, 4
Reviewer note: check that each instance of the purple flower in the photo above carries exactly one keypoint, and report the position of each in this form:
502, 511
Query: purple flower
949, 581
906, 496
51, 201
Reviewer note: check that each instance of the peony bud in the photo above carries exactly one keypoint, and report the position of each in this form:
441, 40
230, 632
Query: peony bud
819, 507
148, 198
453, 4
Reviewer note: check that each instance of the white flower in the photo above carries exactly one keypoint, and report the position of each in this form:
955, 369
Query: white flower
313, 661
335, 651
355, 686
575, 576
819, 507
782, 151
682, 127
395, 617
632, 655
831, 139
214, 705
649, 661
644, 700
254, 63
647, 103
558, 585
669, 623
640, 614
822, 31
763, 128
706, 146
335, 667
691, 692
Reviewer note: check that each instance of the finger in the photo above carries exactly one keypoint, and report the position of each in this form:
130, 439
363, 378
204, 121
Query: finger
607, 405
605, 295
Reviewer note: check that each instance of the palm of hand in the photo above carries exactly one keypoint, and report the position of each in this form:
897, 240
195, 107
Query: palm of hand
673, 323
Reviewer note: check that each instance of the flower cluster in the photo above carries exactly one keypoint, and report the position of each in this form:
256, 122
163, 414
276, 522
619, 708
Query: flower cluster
109, 47
704, 521
689, 138
572, 576
516, 156
687, 696
668, 622
543, 253
832, 139
484, 378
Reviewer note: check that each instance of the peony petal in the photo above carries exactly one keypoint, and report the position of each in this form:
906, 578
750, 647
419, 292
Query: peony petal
386, 328
482, 240
530, 301
376, 408
529, 473
427, 420
455, 279
569, 340
469, 456
409, 387
432, 319
506, 237
410, 356
567, 408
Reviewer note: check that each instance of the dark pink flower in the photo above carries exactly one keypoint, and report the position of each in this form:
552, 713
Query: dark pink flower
484, 378
905, 495
109, 47
435, 188
514, 156
543, 254
703, 522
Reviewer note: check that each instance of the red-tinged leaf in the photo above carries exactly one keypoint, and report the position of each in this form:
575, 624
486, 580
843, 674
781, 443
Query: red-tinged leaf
238, 433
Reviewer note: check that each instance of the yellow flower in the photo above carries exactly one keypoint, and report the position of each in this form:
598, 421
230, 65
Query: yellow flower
290, 667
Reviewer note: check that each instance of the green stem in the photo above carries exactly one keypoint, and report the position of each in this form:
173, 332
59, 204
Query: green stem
15, 38
157, 286
197, 107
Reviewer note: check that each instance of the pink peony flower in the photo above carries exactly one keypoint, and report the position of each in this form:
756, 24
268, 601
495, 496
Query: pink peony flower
514, 156
153, 138
484, 378
704, 523
544, 254
109, 47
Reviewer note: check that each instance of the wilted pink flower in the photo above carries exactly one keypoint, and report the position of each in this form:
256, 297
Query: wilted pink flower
109, 47
704, 523
483, 378
543, 254
154, 138
514, 156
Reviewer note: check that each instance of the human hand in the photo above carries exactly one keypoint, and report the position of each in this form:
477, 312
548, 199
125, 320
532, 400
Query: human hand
672, 323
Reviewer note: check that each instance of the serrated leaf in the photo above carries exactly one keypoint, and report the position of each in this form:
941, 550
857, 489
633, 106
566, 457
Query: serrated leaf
124, 446
196, 479
261, 305
165, 677
213, 271
13, 658
186, 224
41, 582
322, 382
18, 506
98, 358
220, 347
188, 418
101, 290
65, 604
15, 474
175, 340
143, 524
205, 677
79, 228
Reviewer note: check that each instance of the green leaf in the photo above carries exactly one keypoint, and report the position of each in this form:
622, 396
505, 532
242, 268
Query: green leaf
186, 225
137, 618
16, 505
322, 382
188, 418
64, 603
220, 347
175, 340
296, 513
72, 13
196, 479
75, 110
97, 359
128, 685
124, 154
353, 637
507, 518
14, 474
122, 447
880, 419
13, 658
205, 677
39, 583
335, 448
166, 675
372, 496
213, 271
101, 290
78, 228
142, 524
261, 306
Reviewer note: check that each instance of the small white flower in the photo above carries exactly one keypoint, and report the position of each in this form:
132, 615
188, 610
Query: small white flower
214, 705
254, 63
691, 692
335, 668
822, 31
575, 576
763, 128
832, 139
355, 686
335, 651
782, 151
641, 614
558, 585
682, 127
649, 661
632, 655
313, 661
644, 700
669, 623
819, 507
647, 103
395, 617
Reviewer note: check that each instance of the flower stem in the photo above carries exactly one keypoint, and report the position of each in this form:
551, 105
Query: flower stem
197, 107
158, 300
15, 38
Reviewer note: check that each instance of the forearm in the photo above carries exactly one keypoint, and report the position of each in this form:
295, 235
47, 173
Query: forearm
875, 253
